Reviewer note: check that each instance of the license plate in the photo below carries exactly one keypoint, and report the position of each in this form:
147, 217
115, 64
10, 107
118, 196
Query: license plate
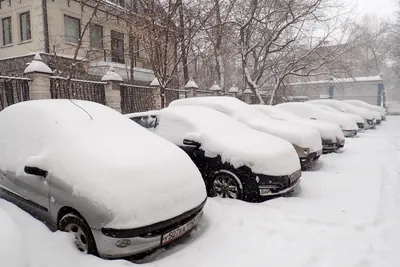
177, 232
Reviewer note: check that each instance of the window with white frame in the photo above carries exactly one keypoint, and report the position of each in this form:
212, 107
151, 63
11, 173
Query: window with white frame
72, 29
6, 30
25, 26
96, 36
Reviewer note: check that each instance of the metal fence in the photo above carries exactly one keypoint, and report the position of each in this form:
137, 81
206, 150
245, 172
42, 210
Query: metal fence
135, 98
13, 90
63, 88
200, 93
174, 94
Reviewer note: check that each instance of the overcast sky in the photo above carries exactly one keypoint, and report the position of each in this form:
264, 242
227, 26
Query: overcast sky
381, 8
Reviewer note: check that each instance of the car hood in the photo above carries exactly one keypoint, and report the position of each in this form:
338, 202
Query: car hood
302, 136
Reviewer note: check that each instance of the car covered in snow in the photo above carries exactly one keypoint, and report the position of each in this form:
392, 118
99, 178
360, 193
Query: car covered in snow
310, 111
368, 116
235, 161
306, 141
362, 104
84, 168
358, 119
331, 135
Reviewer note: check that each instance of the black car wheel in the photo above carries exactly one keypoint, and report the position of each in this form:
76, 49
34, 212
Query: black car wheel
77, 226
226, 184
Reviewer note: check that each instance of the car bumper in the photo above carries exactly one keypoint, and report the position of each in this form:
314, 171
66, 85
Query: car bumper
329, 147
307, 162
107, 244
349, 133
293, 182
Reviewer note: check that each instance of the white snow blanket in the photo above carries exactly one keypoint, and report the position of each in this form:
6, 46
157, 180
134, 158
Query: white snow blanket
303, 137
221, 135
345, 107
346, 214
366, 105
327, 130
310, 111
124, 169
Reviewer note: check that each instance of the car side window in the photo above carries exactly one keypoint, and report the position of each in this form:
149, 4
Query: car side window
150, 121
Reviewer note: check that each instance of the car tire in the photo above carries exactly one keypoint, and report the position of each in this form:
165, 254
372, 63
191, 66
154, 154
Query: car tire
84, 240
246, 189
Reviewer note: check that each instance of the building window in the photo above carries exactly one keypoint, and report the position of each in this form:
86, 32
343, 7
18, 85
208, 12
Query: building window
96, 36
121, 3
72, 29
7, 31
25, 26
117, 47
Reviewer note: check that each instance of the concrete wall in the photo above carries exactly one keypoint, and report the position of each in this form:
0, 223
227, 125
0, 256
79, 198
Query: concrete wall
366, 91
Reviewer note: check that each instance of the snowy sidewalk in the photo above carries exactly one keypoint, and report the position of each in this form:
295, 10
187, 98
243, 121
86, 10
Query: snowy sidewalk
346, 214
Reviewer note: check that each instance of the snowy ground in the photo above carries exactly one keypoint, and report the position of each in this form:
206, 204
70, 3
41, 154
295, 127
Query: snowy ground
346, 214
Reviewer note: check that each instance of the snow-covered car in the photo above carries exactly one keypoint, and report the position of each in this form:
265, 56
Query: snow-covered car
84, 168
306, 141
362, 104
368, 116
235, 160
358, 119
314, 112
331, 134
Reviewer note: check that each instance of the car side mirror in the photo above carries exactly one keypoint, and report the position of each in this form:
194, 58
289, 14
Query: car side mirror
188, 142
36, 171
313, 118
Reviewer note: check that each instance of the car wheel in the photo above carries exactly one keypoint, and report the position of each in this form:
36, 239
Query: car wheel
226, 184
77, 226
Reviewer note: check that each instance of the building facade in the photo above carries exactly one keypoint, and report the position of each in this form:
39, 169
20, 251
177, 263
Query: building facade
88, 37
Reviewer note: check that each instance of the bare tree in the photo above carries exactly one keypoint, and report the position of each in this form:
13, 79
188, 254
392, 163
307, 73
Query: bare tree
272, 32
160, 27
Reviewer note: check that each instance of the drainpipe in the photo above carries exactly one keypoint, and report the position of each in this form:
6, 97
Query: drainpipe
45, 27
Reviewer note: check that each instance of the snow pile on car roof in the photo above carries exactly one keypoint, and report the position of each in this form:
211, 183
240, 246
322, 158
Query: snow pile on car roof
131, 173
301, 136
234, 141
342, 106
327, 130
309, 111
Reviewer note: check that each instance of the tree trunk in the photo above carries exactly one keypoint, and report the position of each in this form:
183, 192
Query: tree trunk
182, 43
253, 86
217, 46
271, 100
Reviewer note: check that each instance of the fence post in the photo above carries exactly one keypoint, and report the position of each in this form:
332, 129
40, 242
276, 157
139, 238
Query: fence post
38, 72
247, 95
191, 86
157, 93
113, 89
215, 89
234, 90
